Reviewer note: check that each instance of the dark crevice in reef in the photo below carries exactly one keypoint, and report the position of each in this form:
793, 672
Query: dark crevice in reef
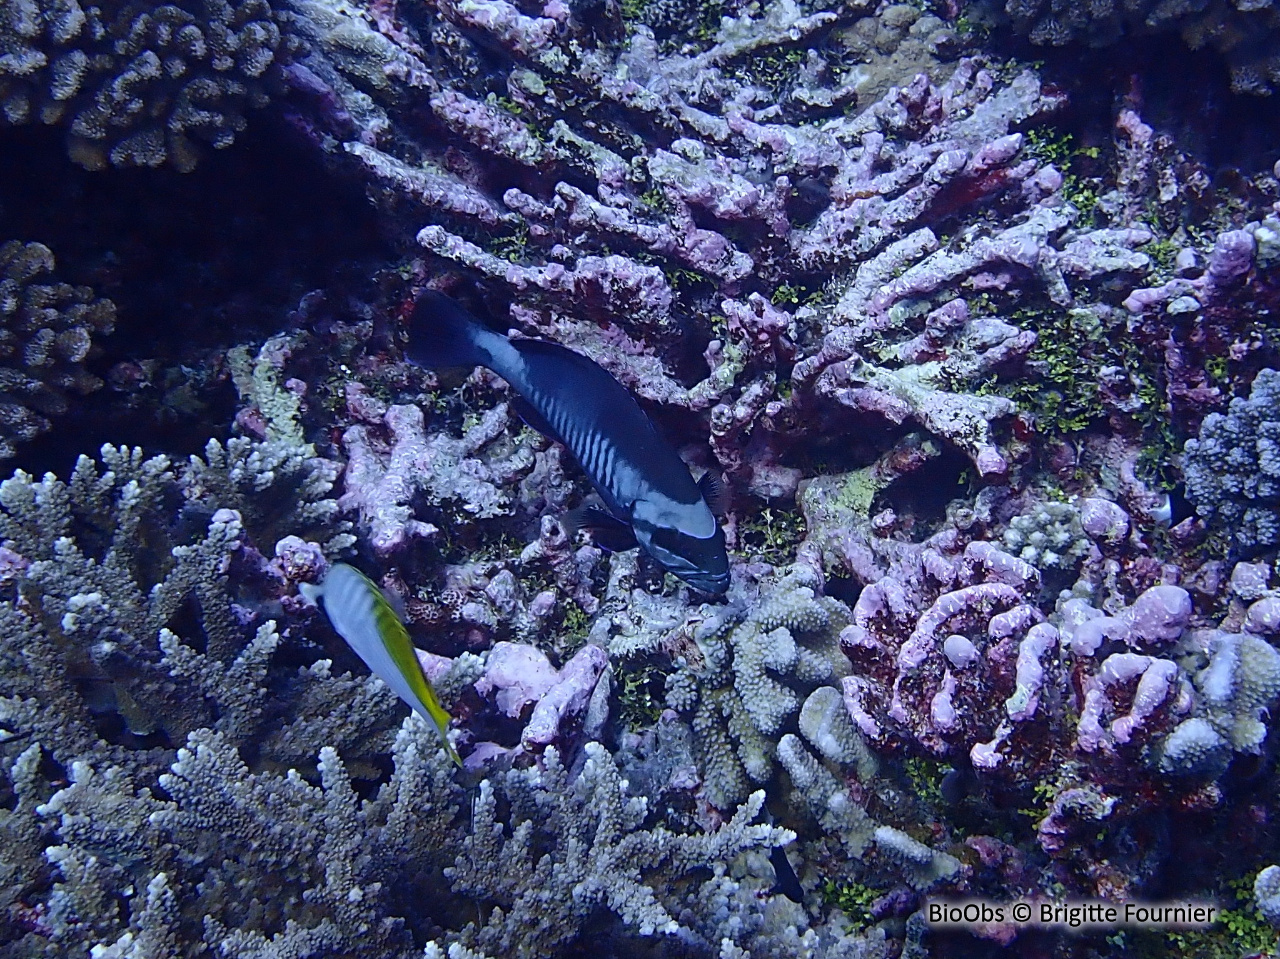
843, 441
925, 493
191, 260
1193, 104
105, 417
194, 263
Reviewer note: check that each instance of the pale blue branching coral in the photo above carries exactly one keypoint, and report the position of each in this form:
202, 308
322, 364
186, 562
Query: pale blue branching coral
827, 797
82, 608
819, 780
754, 668
102, 673
137, 84
278, 484
96, 573
1232, 470
87, 605
250, 478
46, 332
599, 856
219, 828
329, 872
923, 866
23, 863
355, 714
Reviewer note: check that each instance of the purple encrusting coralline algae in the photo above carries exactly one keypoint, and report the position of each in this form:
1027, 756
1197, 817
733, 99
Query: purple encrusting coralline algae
920, 155
856, 307
937, 145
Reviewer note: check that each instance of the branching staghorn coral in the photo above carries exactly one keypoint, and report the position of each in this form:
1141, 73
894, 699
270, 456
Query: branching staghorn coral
223, 827
273, 476
85, 612
104, 674
938, 157
98, 570
119, 637
598, 857
46, 331
323, 869
280, 489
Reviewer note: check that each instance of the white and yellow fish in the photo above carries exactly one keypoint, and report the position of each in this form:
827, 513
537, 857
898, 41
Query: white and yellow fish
362, 616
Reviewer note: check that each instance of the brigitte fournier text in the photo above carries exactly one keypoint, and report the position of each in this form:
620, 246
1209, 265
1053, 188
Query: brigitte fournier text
1079, 914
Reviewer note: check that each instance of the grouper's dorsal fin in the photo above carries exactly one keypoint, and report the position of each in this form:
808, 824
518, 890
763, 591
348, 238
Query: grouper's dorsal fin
714, 493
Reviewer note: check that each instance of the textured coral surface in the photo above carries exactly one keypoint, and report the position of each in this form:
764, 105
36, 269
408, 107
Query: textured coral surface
986, 353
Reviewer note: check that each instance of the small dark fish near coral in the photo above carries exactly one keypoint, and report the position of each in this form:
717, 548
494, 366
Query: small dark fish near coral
651, 500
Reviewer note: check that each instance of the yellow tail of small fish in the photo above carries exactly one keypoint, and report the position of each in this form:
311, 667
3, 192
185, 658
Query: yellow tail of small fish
362, 616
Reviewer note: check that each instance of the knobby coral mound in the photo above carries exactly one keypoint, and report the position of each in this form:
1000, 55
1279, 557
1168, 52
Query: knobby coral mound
962, 674
137, 84
1232, 469
46, 332
745, 681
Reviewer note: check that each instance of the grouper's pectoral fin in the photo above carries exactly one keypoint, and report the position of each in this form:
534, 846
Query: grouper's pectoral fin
714, 494
607, 531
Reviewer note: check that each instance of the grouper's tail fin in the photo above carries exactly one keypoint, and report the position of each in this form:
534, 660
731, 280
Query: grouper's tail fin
443, 334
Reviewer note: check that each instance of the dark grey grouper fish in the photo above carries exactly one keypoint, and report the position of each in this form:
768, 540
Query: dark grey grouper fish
652, 500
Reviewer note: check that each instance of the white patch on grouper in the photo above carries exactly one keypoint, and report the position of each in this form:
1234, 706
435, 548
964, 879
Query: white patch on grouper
662, 512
